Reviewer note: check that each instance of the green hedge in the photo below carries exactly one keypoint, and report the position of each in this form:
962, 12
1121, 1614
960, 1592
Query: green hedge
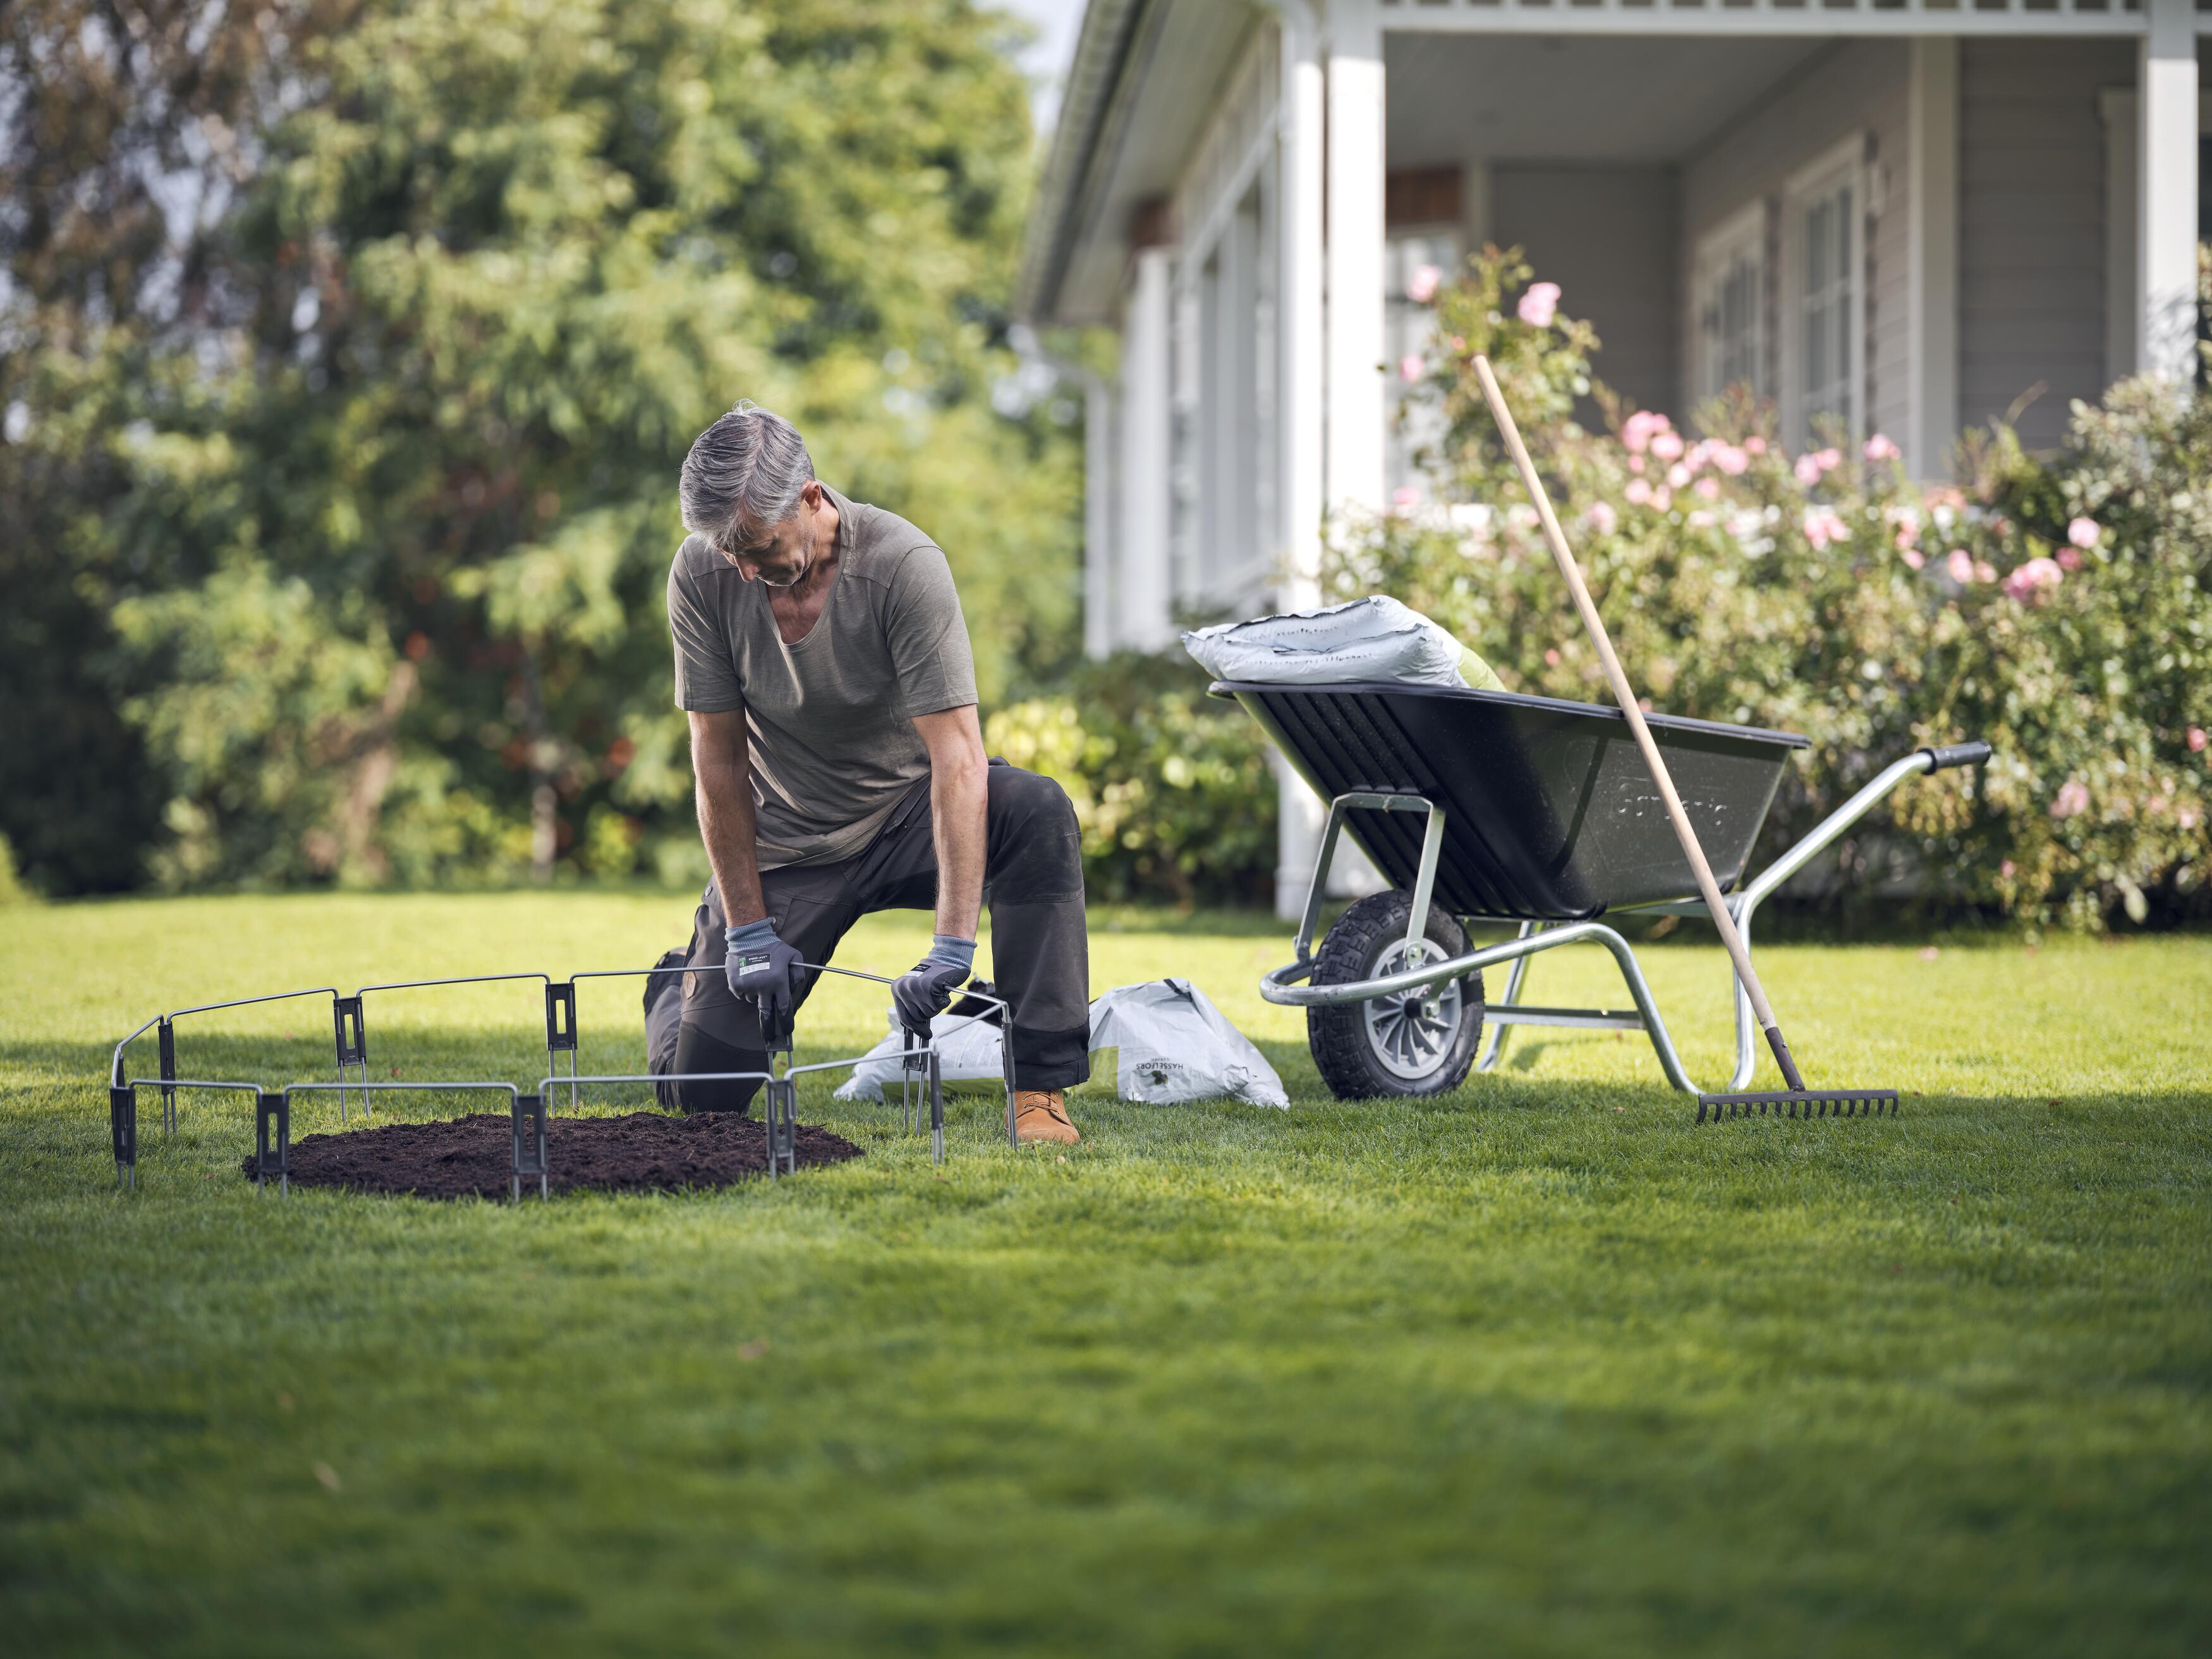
1173, 788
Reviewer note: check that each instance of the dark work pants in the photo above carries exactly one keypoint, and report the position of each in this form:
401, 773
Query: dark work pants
1040, 951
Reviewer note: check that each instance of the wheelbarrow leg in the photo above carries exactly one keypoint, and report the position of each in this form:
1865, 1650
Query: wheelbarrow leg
1493, 1042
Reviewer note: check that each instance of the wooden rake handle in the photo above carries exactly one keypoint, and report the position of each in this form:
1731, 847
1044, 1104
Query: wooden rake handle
1624, 695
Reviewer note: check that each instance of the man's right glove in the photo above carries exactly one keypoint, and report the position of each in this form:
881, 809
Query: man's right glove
926, 991
762, 968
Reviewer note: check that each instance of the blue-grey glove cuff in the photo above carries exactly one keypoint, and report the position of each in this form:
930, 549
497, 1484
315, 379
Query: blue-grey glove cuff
752, 935
953, 952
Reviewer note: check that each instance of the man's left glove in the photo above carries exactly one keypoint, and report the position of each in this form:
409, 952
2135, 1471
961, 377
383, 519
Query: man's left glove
928, 990
761, 968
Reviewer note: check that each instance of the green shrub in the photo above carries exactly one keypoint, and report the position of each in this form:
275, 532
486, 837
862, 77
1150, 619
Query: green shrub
1173, 789
2054, 606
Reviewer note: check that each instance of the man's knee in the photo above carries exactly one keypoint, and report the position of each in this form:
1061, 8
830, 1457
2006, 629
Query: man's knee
1028, 802
697, 1052
1037, 844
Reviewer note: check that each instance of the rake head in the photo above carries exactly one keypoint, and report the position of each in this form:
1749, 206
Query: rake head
1799, 1102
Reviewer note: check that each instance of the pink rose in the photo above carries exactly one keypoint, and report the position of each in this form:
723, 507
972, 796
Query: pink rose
1754, 446
1539, 304
1459, 342
1666, 444
1640, 427
1677, 476
2032, 578
1730, 460
2186, 818
1551, 660
2006, 869
1661, 500
1421, 285
2069, 558
1808, 469
1985, 571
1912, 559
1710, 489
2196, 739
1822, 526
1409, 368
1960, 565
1405, 498
2083, 533
1701, 519
1636, 463
2071, 800
1880, 448
1602, 519
1637, 491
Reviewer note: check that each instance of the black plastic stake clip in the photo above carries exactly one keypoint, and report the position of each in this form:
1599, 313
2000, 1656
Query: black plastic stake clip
168, 1035
782, 1128
530, 1149
123, 1130
353, 1048
560, 1019
272, 1155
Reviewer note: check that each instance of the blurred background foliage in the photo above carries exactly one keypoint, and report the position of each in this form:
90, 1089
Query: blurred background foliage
348, 349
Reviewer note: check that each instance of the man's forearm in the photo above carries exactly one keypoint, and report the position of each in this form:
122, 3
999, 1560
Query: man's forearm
959, 797
724, 796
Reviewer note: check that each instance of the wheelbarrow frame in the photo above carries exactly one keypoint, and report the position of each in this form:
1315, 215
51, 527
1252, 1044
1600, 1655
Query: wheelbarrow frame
1289, 986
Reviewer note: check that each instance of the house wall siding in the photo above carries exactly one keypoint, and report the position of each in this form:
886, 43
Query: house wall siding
2031, 250
1606, 235
1859, 86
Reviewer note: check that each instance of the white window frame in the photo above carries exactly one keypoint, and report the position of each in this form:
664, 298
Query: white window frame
1739, 239
1841, 167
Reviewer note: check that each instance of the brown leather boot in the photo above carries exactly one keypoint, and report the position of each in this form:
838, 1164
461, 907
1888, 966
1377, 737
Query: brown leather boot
1039, 1114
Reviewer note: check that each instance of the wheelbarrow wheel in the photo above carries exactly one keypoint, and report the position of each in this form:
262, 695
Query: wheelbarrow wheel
1420, 1043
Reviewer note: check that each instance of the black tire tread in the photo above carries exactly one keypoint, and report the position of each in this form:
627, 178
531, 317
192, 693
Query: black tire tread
1338, 1036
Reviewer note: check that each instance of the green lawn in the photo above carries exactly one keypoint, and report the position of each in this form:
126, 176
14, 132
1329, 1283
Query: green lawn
1538, 1368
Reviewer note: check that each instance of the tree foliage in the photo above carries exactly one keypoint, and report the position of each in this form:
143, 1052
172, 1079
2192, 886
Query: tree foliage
359, 476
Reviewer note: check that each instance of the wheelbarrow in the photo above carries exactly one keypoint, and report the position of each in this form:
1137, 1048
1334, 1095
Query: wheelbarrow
1492, 807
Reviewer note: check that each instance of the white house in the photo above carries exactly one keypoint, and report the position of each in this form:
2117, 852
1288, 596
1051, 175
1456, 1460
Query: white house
1907, 213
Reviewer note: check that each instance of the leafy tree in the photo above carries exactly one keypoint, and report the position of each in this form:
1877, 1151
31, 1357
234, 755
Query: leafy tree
389, 506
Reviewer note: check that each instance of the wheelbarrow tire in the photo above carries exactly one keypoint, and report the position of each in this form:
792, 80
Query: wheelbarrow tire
1392, 1046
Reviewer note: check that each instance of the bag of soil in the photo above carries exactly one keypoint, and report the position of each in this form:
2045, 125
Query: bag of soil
969, 1055
1376, 638
1175, 1047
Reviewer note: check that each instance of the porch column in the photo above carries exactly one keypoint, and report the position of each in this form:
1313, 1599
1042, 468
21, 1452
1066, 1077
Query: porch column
1144, 616
1299, 255
1100, 553
1356, 406
1933, 255
2166, 218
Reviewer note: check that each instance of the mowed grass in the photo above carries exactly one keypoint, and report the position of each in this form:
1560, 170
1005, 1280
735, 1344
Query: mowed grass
1538, 1368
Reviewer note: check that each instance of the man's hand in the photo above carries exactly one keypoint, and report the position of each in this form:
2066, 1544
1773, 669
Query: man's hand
927, 991
760, 966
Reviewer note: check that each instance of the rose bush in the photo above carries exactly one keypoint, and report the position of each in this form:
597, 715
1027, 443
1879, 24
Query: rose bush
2055, 606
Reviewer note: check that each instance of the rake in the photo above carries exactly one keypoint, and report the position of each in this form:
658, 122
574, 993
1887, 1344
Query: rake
1796, 1100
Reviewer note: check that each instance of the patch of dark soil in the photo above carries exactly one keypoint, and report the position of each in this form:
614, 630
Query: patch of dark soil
455, 1157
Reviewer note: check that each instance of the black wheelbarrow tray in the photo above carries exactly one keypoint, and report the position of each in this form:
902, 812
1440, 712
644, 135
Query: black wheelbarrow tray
1488, 806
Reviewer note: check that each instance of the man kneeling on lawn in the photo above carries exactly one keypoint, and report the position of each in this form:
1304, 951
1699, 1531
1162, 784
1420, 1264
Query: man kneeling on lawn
839, 769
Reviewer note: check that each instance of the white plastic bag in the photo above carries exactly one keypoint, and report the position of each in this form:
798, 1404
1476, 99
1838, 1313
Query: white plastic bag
969, 1054
1176, 1045
1374, 638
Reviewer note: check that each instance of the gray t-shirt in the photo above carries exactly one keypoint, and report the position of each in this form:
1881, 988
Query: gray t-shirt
831, 718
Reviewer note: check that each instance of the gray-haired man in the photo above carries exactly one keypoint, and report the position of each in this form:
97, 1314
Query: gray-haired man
839, 769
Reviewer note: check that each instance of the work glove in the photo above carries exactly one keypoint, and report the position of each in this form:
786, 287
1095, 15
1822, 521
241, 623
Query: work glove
928, 990
764, 970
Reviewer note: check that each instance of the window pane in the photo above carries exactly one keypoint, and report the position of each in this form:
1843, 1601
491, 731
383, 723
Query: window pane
1843, 238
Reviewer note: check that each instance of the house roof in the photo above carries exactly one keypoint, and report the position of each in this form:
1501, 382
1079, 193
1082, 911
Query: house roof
1137, 95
